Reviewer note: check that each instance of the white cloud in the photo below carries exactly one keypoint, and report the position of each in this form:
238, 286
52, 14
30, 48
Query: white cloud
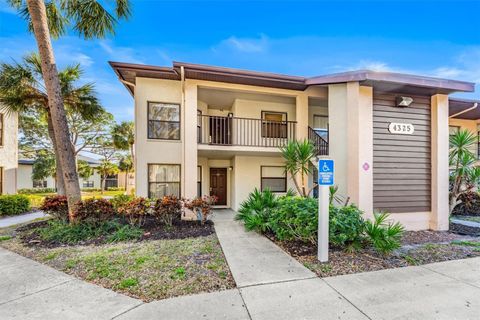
246, 45
123, 54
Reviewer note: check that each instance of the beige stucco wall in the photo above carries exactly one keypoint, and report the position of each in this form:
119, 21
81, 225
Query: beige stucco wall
150, 150
247, 176
440, 175
9, 153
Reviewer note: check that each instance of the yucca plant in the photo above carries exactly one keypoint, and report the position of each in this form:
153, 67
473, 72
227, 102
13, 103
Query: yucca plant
256, 209
383, 236
297, 155
462, 160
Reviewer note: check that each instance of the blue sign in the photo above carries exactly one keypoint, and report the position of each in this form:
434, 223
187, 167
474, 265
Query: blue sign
325, 172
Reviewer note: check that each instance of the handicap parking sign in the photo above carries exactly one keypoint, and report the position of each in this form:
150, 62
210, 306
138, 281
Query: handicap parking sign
325, 172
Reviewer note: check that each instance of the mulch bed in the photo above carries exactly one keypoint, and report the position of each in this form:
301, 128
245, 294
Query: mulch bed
418, 247
30, 236
428, 236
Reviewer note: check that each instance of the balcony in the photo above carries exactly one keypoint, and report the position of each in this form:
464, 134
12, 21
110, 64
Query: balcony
248, 132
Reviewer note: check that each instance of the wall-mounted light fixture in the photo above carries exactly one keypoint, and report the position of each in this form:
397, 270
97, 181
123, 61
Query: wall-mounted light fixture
403, 102
230, 168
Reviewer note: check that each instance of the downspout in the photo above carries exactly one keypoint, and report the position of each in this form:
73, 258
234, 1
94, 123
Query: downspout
475, 105
182, 127
126, 82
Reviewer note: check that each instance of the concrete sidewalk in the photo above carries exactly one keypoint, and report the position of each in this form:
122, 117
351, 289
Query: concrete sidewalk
271, 285
13, 220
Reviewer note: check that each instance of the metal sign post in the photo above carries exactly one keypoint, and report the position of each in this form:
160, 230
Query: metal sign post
325, 180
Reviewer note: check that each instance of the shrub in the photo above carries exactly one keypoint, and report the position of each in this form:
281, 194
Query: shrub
94, 211
121, 200
167, 209
125, 233
14, 204
36, 190
384, 237
91, 189
469, 204
202, 206
56, 206
255, 212
115, 189
295, 218
136, 211
64, 233
346, 226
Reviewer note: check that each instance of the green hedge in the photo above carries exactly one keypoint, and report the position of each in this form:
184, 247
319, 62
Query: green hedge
37, 190
14, 204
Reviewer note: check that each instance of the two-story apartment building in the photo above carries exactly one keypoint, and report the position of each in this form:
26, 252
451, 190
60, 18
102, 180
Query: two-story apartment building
211, 130
8, 152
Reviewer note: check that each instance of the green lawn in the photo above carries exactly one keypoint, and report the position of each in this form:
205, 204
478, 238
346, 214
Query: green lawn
36, 199
149, 270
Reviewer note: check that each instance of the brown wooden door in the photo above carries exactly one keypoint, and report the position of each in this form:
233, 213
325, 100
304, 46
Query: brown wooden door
218, 185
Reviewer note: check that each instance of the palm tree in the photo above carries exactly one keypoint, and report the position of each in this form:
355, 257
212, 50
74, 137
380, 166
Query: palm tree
123, 136
105, 169
22, 90
297, 155
462, 162
126, 165
51, 19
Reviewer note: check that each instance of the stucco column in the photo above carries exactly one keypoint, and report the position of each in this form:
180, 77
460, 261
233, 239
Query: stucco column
302, 116
350, 108
440, 149
189, 165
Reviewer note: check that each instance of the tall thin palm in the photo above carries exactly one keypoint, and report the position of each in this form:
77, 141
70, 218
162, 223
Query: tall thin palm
22, 89
123, 136
126, 165
46, 19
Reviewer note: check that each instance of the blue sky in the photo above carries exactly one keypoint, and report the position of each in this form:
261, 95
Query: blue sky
435, 38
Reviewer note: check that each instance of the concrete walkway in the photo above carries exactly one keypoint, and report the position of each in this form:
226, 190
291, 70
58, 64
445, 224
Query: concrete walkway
271, 285
13, 220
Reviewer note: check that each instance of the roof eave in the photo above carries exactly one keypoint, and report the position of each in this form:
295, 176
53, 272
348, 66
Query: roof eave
397, 78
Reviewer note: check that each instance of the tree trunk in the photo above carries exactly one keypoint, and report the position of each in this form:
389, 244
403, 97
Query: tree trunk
102, 185
126, 181
132, 154
58, 174
65, 152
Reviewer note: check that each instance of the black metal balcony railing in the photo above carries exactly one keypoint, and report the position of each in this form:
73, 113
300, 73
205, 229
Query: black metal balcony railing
233, 131
321, 146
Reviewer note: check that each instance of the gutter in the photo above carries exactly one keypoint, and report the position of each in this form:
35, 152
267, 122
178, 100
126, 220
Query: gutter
475, 105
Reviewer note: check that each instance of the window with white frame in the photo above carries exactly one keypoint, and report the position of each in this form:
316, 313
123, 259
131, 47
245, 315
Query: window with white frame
39, 183
88, 184
163, 180
453, 129
163, 121
273, 178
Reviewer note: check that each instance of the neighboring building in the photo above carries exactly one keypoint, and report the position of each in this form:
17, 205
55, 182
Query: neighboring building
25, 181
8, 152
210, 130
